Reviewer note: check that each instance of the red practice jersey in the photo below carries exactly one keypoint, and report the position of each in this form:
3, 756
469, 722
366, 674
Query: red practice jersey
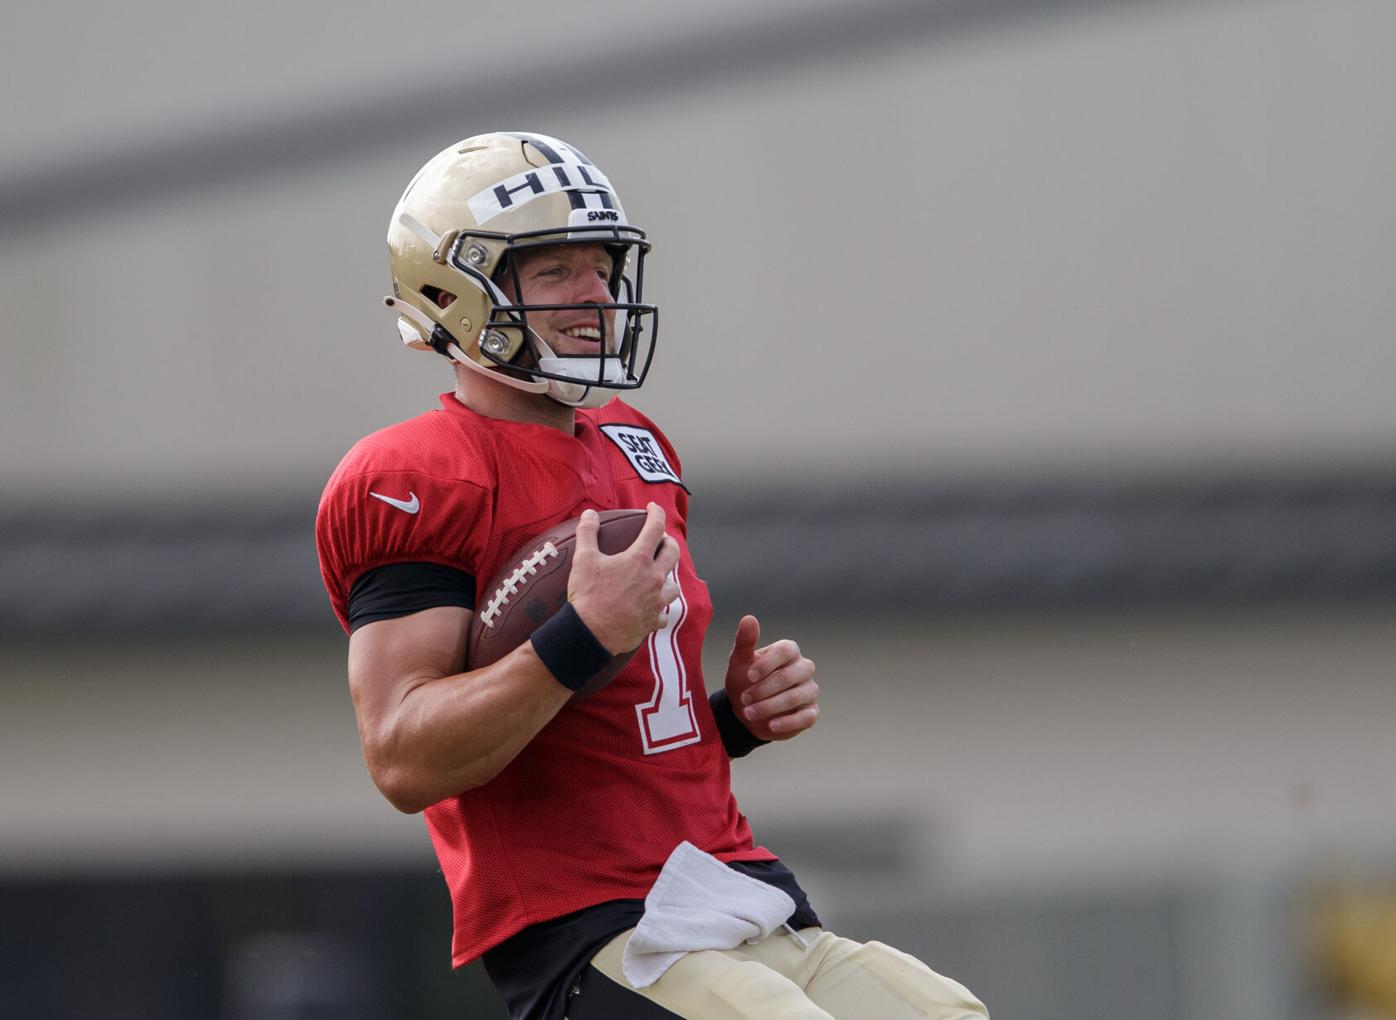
593, 806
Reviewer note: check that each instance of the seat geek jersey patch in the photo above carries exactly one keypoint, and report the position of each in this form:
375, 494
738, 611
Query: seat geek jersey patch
643, 451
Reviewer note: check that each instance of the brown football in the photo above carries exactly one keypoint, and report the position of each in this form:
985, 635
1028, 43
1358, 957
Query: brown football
532, 586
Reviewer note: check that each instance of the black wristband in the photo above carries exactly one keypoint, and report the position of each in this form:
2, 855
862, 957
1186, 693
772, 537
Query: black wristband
569, 649
736, 738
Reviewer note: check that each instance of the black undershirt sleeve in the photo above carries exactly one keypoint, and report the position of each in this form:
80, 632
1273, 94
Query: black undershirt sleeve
399, 589
736, 738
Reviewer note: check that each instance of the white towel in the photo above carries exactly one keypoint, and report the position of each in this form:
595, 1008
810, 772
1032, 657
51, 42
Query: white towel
699, 903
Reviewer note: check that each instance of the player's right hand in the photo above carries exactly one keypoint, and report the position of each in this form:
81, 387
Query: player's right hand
624, 598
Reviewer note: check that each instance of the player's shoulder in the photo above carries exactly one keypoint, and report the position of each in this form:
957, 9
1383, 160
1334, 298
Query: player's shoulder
417, 474
436, 444
417, 491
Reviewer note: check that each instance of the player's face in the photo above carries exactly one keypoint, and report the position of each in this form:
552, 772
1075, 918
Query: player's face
566, 274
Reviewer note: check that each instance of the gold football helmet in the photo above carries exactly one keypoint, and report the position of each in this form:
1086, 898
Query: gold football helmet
456, 230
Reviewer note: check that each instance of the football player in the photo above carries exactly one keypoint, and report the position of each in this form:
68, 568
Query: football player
554, 818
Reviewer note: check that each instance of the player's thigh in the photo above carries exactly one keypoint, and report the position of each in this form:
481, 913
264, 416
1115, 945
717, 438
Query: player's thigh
707, 985
852, 980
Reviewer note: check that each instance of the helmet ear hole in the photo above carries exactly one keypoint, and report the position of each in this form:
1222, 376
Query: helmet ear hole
440, 298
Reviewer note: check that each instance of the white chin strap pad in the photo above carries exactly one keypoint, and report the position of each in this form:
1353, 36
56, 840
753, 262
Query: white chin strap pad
577, 395
584, 392
585, 370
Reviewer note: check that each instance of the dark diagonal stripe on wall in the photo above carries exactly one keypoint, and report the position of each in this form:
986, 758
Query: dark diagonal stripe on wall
365, 125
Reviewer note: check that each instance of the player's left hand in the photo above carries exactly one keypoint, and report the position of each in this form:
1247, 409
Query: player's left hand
772, 689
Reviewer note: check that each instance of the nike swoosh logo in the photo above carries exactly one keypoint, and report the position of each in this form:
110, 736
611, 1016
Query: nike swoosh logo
410, 505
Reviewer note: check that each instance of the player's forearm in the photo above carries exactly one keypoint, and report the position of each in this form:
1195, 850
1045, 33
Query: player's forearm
452, 734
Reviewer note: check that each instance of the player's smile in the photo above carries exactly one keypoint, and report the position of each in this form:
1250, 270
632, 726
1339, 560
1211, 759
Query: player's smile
582, 338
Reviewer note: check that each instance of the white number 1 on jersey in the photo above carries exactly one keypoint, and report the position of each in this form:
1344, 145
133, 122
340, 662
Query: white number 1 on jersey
667, 720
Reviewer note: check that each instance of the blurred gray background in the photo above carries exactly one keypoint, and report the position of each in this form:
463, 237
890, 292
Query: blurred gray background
1031, 363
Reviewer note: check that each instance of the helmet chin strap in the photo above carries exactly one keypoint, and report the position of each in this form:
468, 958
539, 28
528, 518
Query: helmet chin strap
568, 393
495, 375
572, 394
409, 317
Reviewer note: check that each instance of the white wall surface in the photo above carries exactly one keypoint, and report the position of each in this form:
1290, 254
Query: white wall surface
1156, 237
146, 71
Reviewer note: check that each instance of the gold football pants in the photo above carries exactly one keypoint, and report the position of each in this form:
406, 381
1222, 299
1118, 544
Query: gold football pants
831, 978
